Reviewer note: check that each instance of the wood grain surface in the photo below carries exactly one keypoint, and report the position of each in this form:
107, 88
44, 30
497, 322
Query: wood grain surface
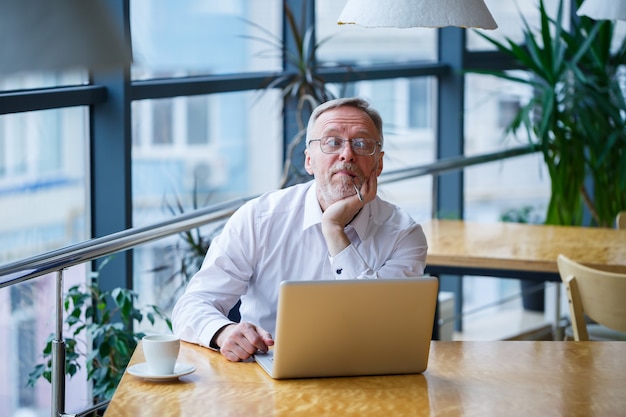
522, 247
512, 378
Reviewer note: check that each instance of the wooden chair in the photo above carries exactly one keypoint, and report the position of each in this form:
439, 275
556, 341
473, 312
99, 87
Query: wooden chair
598, 295
620, 220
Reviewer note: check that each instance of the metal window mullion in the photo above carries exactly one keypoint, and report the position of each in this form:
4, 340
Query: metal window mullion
448, 187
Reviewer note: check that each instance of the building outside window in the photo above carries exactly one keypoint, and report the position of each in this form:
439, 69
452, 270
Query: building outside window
226, 145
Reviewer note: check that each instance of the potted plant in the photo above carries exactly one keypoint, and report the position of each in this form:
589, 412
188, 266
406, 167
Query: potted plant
96, 337
183, 258
302, 88
576, 114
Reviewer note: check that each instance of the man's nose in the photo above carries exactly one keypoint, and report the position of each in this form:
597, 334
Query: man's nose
347, 153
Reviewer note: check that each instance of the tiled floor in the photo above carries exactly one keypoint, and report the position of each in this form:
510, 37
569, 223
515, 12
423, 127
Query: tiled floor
505, 324
493, 311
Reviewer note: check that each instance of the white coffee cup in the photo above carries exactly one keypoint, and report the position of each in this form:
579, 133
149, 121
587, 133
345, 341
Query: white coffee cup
161, 352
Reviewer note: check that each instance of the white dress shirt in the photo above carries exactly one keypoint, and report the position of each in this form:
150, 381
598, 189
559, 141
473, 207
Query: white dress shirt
278, 237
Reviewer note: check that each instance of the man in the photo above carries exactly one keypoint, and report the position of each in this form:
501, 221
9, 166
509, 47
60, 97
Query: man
334, 227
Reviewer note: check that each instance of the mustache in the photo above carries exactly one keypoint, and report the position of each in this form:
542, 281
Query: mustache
352, 168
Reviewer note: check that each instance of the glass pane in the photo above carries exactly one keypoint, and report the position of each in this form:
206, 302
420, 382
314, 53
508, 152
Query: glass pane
407, 108
219, 147
42, 165
507, 15
192, 37
43, 206
23, 81
516, 189
352, 44
27, 321
493, 189
619, 35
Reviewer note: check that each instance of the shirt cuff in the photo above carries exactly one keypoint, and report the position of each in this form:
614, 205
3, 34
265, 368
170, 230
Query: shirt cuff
210, 331
347, 264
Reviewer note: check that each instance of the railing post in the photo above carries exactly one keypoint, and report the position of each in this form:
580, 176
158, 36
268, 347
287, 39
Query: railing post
58, 353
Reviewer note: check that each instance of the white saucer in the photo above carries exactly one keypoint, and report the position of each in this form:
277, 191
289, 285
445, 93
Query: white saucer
141, 370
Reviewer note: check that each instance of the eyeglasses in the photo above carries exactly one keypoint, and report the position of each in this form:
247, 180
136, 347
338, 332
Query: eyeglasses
334, 144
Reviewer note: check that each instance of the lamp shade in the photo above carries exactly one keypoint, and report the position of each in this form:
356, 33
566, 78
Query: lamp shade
417, 13
39, 35
603, 9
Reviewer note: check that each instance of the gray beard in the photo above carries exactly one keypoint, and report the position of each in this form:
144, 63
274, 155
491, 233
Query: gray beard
331, 193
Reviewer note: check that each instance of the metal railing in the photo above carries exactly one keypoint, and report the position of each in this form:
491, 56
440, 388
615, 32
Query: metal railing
61, 259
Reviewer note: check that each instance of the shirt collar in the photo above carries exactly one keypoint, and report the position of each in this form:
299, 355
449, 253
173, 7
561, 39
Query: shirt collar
313, 213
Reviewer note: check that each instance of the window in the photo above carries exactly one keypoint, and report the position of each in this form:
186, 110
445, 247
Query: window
242, 158
405, 145
507, 15
162, 122
420, 113
198, 120
175, 38
39, 79
42, 157
508, 108
23, 309
359, 45
3, 151
213, 147
237, 155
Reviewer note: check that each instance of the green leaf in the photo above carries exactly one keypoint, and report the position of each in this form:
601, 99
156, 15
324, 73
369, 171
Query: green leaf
35, 374
577, 112
112, 342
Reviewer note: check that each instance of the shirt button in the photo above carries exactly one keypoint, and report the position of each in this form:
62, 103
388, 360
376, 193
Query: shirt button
339, 271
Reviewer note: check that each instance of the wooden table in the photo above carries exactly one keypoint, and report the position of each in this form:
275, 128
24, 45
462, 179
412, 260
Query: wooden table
518, 378
519, 250
516, 250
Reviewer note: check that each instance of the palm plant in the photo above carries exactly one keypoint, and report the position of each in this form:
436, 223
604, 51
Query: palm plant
576, 114
184, 257
304, 83
301, 85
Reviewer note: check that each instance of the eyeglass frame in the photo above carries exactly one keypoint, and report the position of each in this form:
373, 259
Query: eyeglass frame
343, 143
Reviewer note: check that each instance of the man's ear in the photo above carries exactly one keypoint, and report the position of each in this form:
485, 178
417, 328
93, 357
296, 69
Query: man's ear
307, 162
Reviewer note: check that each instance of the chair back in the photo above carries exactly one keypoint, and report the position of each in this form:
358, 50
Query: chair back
620, 220
601, 295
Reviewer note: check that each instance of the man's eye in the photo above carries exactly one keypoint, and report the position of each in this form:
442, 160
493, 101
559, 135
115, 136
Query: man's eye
359, 143
334, 142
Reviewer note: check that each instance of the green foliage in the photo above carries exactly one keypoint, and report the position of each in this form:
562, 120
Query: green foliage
99, 330
576, 114
526, 214
302, 87
189, 252
303, 82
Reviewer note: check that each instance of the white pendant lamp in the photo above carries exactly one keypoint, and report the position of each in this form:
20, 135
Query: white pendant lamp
603, 9
417, 13
40, 35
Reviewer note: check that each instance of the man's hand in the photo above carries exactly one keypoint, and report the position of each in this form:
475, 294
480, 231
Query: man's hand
340, 213
369, 187
237, 342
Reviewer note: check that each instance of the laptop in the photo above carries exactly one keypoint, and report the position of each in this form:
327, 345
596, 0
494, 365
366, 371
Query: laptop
352, 327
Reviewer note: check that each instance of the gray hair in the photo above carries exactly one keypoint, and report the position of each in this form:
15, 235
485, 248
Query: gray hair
355, 102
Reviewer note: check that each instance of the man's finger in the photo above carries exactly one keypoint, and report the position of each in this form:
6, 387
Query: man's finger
257, 337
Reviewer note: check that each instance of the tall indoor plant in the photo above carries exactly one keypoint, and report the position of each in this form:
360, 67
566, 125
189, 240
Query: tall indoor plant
302, 87
576, 114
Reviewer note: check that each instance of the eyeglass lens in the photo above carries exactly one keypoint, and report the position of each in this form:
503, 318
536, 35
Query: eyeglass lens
360, 146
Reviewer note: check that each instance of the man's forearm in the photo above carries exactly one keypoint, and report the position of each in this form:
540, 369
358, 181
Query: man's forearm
336, 238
